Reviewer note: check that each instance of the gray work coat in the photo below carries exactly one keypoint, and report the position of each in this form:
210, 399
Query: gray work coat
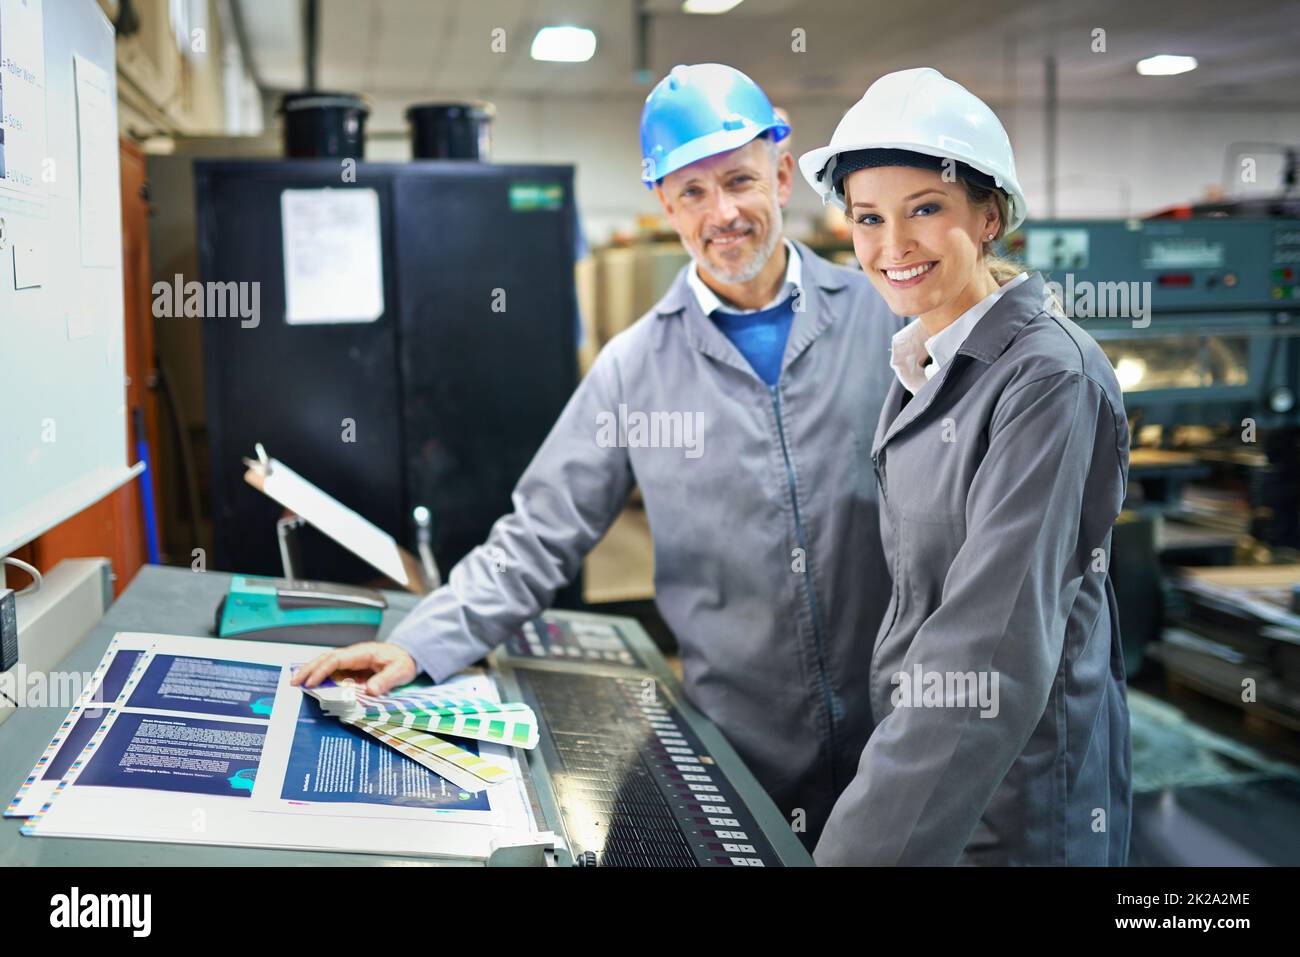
768, 563
1000, 481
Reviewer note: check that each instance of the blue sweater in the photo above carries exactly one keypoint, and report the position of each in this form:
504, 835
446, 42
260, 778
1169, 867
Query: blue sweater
760, 336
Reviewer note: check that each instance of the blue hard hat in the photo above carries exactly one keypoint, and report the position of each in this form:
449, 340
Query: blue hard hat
698, 111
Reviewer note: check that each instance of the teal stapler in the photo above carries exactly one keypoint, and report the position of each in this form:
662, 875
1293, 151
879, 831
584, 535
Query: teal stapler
313, 613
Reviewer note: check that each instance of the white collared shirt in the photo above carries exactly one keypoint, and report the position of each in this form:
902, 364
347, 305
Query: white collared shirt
709, 300
909, 348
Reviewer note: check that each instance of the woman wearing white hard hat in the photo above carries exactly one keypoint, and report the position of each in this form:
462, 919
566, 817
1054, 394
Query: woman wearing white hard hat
997, 679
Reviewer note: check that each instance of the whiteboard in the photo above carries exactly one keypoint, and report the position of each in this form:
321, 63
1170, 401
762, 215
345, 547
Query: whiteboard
63, 433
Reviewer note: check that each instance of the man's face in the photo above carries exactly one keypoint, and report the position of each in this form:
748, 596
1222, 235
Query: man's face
727, 208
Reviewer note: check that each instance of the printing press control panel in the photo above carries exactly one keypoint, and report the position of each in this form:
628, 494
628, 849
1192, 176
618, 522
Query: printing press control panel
627, 770
564, 640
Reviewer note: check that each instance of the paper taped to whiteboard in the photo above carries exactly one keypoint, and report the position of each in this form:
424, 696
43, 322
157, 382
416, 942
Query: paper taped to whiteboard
29, 262
97, 163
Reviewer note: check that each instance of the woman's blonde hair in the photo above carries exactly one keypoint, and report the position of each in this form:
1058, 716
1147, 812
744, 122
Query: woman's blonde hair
1002, 268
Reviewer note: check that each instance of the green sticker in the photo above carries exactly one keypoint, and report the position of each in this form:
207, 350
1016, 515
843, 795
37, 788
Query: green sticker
525, 197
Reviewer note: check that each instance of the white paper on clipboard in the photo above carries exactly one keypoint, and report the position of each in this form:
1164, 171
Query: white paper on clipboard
364, 539
333, 261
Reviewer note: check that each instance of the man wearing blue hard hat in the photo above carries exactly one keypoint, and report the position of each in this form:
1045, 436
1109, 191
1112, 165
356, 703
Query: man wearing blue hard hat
768, 564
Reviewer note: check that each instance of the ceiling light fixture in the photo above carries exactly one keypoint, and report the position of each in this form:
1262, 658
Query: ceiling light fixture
1166, 64
564, 44
709, 6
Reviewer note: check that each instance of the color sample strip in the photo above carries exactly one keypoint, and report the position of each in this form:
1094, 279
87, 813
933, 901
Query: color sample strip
517, 729
430, 704
82, 704
466, 760
465, 780
74, 770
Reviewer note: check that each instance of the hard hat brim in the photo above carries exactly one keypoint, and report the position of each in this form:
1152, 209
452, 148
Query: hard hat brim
812, 164
703, 147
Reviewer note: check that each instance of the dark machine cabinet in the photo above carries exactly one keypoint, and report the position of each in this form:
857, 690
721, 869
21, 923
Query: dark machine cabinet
451, 390
488, 332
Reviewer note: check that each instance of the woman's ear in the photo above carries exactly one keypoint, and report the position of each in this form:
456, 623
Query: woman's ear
992, 222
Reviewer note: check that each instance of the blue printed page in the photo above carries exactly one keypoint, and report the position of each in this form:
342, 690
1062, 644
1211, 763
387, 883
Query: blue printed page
207, 742
172, 753
217, 686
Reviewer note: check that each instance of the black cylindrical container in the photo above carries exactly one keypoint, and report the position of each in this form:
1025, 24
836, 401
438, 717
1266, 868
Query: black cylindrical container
451, 130
318, 125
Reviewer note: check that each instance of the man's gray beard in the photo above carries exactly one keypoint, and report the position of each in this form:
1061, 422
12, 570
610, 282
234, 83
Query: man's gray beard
751, 269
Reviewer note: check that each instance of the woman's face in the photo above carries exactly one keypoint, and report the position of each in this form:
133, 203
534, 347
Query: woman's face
917, 237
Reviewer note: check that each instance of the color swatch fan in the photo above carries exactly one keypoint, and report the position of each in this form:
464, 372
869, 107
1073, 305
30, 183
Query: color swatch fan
416, 720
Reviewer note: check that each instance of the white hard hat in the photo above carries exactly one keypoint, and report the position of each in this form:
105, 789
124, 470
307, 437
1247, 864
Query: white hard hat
921, 111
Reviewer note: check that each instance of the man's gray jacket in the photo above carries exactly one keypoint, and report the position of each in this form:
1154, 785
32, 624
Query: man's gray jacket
763, 507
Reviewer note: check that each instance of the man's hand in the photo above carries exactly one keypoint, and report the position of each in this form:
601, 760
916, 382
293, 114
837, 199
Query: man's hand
391, 664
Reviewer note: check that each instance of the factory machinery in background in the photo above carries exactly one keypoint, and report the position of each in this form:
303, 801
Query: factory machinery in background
1201, 320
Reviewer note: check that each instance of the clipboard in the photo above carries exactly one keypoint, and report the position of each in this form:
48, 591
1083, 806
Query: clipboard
332, 518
